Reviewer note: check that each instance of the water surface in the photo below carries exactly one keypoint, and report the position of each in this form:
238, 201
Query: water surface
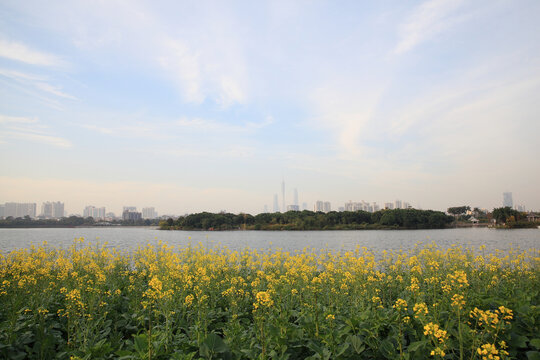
376, 240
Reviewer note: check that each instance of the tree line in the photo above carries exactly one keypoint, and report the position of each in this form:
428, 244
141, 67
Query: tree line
71, 221
309, 220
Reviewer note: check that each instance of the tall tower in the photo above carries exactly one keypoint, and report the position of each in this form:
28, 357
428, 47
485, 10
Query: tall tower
507, 199
295, 197
276, 205
283, 205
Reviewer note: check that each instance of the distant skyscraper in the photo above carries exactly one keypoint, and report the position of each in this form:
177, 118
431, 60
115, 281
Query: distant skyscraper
265, 209
327, 207
389, 206
295, 197
507, 199
94, 212
398, 204
46, 210
283, 206
304, 206
129, 208
293, 208
276, 204
149, 213
319, 206
17, 210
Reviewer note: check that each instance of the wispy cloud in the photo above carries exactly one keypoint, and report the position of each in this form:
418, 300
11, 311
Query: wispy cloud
426, 22
37, 82
20, 52
28, 129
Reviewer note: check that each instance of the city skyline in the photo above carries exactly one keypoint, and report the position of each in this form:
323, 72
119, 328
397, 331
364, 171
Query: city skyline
206, 106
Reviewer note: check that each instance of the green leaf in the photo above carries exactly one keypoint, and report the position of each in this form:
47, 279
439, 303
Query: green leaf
535, 343
357, 343
342, 349
387, 349
533, 355
415, 345
519, 341
213, 344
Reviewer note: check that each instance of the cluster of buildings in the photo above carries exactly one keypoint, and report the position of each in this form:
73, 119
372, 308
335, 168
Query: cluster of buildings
49, 210
55, 210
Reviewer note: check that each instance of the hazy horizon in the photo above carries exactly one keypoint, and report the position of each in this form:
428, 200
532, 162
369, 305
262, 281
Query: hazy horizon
208, 106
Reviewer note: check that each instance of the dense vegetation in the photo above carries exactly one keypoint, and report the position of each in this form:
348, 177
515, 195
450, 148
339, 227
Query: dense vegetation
91, 302
512, 219
309, 220
71, 221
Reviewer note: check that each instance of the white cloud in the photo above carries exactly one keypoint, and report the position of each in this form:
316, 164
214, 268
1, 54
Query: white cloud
17, 120
345, 112
426, 22
40, 83
28, 129
20, 52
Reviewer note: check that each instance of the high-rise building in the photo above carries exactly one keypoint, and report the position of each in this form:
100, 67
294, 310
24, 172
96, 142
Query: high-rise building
17, 210
129, 208
507, 199
149, 213
295, 197
397, 204
283, 195
293, 208
389, 205
319, 206
131, 215
265, 209
94, 212
327, 207
46, 210
406, 205
57, 210
275, 208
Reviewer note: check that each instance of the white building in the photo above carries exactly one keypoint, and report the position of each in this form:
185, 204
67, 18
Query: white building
319, 206
327, 207
397, 205
94, 212
17, 210
149, 213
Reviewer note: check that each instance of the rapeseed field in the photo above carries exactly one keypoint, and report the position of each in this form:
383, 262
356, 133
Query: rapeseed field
160, 302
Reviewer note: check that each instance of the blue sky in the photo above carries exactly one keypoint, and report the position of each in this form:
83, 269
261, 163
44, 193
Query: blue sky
191, 106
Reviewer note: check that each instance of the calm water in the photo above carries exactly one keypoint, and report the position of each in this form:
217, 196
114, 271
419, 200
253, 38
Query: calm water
376, 240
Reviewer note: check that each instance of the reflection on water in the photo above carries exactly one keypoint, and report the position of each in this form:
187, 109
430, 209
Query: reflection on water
375, 240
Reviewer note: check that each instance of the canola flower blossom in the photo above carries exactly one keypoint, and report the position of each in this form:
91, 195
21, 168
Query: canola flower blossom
162, 302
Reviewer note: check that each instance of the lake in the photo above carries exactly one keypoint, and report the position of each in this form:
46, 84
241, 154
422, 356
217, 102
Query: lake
376, 240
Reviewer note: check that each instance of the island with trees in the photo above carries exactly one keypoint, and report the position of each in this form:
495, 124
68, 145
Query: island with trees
309, 220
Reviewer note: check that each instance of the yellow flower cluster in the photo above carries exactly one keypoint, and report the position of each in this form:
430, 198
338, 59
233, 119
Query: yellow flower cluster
458, 301
433, 330
400, 305
420, 309
263, 299
490, 352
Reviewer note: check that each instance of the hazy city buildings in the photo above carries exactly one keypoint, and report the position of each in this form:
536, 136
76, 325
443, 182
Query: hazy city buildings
149, 213
275, 208
283, 195
293, 208
397, 205
94, 212
507, 199
17, 210
52, 210
130, 213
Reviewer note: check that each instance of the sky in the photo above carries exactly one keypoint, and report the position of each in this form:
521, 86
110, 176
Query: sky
192, 106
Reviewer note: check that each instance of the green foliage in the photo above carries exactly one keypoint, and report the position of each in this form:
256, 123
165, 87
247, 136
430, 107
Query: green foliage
309, 220
458, 210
